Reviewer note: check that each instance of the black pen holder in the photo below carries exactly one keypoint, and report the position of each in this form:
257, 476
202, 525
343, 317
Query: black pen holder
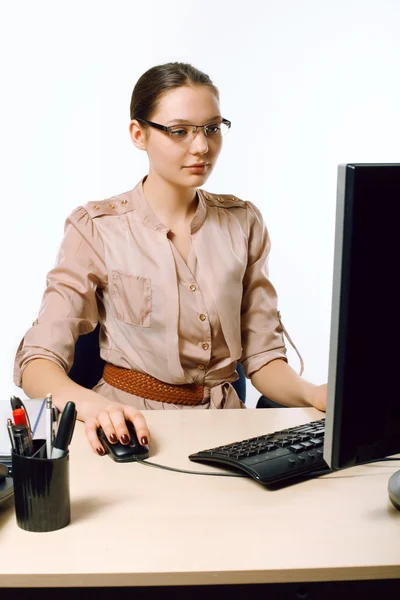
41, 490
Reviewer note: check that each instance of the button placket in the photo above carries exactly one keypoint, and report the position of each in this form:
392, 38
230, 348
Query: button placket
204, 347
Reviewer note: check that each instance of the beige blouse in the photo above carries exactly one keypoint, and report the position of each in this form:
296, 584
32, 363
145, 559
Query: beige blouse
179, 322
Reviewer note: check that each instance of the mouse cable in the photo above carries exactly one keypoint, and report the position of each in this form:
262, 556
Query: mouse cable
151, 464
313, 474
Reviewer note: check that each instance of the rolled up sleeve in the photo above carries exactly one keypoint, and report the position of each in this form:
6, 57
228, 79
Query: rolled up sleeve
261, 329
69, 303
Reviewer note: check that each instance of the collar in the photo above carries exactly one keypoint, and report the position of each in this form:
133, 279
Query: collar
149, 217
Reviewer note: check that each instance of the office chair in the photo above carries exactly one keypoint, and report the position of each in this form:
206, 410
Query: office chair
88, 366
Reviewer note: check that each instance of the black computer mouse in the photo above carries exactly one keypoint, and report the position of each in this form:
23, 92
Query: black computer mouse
124, 452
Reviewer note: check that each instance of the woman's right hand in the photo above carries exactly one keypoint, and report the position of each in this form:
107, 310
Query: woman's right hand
112, 417
41, 375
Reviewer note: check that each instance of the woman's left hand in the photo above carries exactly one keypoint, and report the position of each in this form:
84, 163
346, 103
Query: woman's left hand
317, 396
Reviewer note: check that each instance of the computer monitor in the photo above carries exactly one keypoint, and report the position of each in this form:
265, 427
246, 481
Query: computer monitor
363, 404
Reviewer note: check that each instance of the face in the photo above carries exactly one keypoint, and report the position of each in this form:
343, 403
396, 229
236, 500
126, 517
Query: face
171, 158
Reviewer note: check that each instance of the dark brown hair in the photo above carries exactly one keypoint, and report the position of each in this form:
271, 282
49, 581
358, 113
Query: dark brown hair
156, 81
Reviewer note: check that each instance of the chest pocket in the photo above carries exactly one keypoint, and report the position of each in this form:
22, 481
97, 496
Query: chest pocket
131, 298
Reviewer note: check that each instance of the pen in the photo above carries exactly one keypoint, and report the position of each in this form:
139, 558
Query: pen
65, 430
49, 425
56, 414
17, 403
23, 443
19, 416
10, 428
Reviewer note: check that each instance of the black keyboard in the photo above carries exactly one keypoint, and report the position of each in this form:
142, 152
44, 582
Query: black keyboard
274, 457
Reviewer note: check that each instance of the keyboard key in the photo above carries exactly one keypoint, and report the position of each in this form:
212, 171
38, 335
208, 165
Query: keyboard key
307, 445
270, 447
296, 448
279, 436
316, 441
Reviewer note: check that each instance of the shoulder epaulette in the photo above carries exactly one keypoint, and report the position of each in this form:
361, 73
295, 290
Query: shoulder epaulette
116, 205
223, 200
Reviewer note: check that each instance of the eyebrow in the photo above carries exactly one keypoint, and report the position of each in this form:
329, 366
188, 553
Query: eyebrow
187, 122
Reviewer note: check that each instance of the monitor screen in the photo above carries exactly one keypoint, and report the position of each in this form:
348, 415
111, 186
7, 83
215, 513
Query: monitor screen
363, 405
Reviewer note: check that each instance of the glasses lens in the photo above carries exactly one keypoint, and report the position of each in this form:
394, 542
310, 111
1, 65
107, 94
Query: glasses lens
217, 129
185, 132
180, 132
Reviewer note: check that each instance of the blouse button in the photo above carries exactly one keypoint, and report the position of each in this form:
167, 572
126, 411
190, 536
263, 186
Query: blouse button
202, 317
35, 322
201, 367
96, 207
205, 346
220, 199
111, 206
124, 202
192, 287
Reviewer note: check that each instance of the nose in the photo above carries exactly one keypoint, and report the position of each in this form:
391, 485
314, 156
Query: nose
200, 143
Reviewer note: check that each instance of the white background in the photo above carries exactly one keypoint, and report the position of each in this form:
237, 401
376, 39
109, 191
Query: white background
307, 84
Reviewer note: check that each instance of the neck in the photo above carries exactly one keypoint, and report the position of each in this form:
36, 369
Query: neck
170, 203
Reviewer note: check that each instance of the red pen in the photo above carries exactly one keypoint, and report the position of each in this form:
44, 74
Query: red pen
19, 416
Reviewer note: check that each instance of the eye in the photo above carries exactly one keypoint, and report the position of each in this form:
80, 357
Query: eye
213, 129
179, 132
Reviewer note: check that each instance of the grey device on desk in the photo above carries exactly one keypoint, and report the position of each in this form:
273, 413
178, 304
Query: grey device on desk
394, 489
124, 452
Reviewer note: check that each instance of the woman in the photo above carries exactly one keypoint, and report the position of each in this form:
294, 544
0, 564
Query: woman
176, 276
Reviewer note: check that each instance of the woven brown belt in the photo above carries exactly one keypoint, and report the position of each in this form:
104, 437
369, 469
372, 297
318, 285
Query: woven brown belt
141, 384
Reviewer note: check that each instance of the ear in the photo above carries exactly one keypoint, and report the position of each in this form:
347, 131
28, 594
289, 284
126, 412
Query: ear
138, 134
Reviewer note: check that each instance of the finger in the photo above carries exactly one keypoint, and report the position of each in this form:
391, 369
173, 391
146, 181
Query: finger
106, 423
139, 423
91, 426
118, 420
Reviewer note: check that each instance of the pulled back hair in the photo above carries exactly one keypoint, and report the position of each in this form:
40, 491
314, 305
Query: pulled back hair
158, 80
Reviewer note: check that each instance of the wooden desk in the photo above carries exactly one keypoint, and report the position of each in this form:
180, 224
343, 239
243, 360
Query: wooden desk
138, 526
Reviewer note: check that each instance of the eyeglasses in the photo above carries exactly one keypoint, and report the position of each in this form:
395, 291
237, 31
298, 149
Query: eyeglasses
182, 132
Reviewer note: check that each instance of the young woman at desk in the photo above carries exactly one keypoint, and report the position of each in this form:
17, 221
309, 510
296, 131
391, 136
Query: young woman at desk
176, 276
